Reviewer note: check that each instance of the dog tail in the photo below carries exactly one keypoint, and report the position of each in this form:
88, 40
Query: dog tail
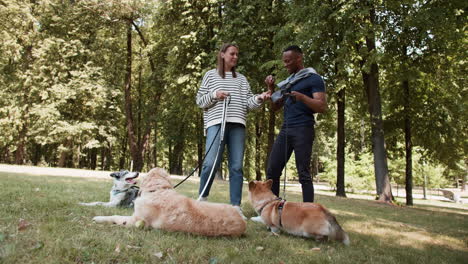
336, 232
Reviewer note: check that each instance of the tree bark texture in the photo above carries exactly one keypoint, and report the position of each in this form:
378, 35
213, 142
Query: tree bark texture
340, 150
408, 145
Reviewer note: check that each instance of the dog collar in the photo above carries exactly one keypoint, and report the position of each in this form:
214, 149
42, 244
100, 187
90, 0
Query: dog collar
124, 190
261, 208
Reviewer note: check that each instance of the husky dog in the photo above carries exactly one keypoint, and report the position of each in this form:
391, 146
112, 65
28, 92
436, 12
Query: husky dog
160, 206
124, 191
300, 219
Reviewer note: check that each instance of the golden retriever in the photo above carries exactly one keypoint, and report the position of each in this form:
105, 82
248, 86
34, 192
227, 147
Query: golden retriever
161, 207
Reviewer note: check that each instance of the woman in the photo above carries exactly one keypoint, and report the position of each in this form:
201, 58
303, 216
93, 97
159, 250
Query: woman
224, 83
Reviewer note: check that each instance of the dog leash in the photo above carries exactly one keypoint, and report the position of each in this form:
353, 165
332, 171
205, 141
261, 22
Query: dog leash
221, 140
204, 157
285, 150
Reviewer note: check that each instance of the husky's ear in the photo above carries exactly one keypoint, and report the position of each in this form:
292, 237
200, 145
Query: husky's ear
269, 183
115, 175
251, 185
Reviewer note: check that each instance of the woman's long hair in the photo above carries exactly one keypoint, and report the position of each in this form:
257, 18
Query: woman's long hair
220, 66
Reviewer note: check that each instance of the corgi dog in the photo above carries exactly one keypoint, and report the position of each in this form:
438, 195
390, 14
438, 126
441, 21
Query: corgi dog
296, 218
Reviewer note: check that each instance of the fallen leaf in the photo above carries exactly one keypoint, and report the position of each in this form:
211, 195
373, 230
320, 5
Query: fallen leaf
158, 254
259, 248
133, 247
117, 248
38, 245
316, 249
23, 224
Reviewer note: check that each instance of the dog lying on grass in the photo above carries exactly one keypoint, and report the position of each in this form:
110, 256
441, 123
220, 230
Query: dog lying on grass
300, 219
161, 207
123, 192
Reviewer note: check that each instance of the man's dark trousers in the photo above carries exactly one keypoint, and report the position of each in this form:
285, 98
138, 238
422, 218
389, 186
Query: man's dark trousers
299, 140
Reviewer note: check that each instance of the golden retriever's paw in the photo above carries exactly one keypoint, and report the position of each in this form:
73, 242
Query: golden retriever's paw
99, 219
257, 219
140, 224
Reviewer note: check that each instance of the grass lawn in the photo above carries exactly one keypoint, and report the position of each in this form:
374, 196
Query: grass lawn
55, 229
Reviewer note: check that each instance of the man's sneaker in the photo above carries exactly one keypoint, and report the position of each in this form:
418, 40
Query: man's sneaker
204, 199
257, 219
240, 212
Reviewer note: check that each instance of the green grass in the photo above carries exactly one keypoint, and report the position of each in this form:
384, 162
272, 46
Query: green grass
61, 231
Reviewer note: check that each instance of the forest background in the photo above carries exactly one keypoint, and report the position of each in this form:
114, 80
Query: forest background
111, 85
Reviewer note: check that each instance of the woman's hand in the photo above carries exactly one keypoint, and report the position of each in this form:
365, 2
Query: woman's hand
264, 96
221, 95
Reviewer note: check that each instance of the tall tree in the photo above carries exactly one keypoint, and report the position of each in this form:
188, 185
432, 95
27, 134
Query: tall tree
370, 76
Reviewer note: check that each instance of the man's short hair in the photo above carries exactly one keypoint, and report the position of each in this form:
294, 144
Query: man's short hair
294, 48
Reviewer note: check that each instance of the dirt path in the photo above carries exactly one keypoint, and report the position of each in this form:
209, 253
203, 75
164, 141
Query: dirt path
34, 170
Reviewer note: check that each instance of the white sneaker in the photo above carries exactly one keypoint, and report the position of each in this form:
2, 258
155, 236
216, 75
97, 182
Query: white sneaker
203, 199
257, 219
240, 212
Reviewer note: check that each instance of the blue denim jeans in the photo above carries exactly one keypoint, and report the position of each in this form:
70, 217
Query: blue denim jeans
234, 138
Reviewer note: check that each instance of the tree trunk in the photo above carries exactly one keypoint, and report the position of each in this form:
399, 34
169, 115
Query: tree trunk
155, 147
177, 157
20, 147
465, 177
93, 158
340, 151
137, 147
271, 135
62, 163
37, 154
123, 153
378, 141
371, 84
408, 145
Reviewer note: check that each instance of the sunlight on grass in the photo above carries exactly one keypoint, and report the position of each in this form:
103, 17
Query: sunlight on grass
415, 237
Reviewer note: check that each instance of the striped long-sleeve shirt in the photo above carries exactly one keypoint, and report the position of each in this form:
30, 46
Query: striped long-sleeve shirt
241, 99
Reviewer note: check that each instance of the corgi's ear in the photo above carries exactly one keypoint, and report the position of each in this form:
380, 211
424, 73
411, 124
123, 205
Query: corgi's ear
269, 183
251, 185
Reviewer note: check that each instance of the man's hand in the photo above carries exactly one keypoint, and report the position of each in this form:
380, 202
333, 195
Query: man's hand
270, 82
221, 95
298, 96
318, 102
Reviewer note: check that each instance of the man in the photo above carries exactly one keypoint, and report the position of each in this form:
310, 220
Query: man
303, 96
